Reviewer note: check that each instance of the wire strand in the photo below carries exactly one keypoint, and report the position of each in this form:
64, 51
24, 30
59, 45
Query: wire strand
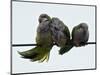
16, 45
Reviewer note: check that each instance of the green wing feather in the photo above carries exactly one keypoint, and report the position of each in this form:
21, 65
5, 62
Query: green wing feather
69, 45
67, 32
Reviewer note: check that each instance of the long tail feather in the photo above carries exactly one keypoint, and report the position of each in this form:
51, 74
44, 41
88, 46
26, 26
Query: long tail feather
36, 54
28, 54
65, 49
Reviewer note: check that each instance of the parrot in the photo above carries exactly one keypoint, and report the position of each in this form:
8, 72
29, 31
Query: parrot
44, 41
80, 35
60, 35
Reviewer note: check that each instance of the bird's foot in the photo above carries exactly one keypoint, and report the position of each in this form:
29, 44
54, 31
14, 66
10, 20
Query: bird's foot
82, 44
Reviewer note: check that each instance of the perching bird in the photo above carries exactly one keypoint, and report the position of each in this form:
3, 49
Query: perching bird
60, 34
80, 34
43, 40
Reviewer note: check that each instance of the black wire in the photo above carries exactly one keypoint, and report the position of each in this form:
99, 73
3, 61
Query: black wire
16, 45
91, 43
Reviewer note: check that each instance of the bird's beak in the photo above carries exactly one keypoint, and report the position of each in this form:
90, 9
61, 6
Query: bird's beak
45, 19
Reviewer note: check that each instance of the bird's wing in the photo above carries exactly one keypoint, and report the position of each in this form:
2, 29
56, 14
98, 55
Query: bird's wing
73, 31
66, 32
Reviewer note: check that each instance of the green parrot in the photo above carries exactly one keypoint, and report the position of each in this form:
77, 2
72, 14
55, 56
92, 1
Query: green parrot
44, 41
61, 35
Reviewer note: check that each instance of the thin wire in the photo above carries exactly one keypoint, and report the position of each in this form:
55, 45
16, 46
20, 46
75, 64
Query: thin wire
16, 45
91, 43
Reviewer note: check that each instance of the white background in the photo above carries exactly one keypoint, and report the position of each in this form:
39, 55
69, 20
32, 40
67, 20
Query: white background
5, 37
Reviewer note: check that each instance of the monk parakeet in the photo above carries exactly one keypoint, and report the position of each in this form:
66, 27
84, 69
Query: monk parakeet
60, 34
43, 40
80, 34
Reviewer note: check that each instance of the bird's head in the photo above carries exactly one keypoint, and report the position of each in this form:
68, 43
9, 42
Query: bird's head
44, 17
83, 25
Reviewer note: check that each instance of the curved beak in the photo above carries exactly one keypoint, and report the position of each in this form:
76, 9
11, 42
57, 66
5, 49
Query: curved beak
44, 19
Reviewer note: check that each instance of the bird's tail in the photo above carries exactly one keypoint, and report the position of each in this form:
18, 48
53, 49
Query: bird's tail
37, 54
65, 49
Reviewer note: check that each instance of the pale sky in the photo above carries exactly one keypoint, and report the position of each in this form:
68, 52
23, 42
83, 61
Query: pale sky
25, 21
